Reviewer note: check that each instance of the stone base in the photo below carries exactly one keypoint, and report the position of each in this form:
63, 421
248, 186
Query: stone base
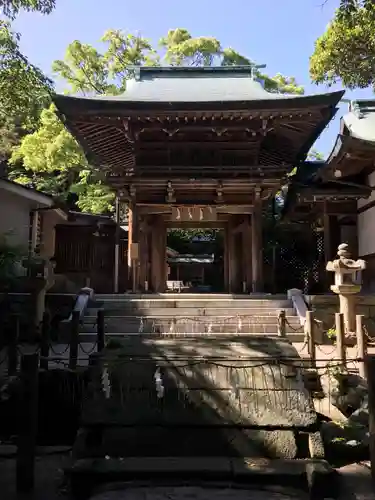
315, 476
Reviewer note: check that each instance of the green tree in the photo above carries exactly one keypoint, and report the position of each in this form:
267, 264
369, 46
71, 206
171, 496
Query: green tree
24, 90
346, 50
51, 159
315, 155
12, 7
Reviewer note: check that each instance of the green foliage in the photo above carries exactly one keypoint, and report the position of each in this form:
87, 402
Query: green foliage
331, 334
181, 49
88, 71
346, 51
9, 136
53, 162
10, 255
12, 7
315, 155
24, 90
195, 240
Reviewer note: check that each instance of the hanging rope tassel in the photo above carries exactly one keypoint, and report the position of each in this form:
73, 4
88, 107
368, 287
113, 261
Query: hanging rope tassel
159, 384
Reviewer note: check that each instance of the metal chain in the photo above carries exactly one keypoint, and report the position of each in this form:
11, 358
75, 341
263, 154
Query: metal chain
59, 353
90, 351
4, 359
324, 352
371, 340
290, 326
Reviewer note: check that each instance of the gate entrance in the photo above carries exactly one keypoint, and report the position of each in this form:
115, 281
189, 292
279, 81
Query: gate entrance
196, 146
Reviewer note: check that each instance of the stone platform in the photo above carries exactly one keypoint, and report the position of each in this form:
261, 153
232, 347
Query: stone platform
117, 478
221, 397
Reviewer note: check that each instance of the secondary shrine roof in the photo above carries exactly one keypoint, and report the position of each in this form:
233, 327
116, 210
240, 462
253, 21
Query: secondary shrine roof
360, 121
354, 149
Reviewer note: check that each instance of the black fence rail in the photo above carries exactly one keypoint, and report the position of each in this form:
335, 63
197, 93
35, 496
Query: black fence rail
150, 390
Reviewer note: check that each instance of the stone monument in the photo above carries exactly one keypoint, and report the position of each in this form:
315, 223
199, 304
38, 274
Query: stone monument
347, 283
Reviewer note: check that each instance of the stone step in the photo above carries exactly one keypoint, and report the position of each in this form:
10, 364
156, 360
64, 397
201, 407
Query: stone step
267, 324
292, 337
192, 303
167, 319
190, 296
190, 312
192, 328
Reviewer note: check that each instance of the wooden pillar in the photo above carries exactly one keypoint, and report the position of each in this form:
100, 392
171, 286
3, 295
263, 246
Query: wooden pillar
257, 245
34, 231
158, 258
143, 253
230, 257
370, 372
246, 254
130, 242
163, 254
226, 259
117, 248
327, 237
133, 247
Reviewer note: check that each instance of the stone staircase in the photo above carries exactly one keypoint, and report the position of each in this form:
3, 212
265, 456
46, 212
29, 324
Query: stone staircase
191, 314
238, 394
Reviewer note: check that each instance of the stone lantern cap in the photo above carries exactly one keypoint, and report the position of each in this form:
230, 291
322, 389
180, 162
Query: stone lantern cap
344, 264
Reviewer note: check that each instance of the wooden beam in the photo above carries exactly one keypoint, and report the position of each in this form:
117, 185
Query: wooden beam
194, 225
239, 146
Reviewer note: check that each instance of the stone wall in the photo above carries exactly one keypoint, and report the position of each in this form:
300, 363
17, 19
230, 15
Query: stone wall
325, 307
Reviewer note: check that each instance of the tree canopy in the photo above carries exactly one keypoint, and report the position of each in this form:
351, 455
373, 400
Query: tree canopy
50, 159
346, 50
12, 7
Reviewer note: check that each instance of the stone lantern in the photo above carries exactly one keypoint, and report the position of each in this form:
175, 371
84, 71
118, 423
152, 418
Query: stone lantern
347, 283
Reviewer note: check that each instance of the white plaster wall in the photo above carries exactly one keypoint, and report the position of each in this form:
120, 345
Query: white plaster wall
366, 223
15, 218
366, 232
349, 236
371, 182
50, 219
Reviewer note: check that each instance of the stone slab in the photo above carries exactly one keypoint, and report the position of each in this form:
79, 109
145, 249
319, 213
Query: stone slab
253, 382
218, 468
161, 442
323, 481
88, 475
198, 492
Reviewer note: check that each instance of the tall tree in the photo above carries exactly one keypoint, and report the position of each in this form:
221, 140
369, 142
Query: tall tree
346, 50
24, 89
12, 7
86, 71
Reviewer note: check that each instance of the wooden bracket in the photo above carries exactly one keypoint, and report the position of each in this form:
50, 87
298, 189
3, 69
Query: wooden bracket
170, 198
219, 193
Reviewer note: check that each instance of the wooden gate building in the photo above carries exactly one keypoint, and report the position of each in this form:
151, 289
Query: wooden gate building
196, 147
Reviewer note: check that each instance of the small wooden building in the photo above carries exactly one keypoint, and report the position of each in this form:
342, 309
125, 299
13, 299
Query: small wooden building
85, 251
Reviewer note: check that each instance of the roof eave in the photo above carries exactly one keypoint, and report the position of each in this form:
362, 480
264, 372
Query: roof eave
75, 105
27, 193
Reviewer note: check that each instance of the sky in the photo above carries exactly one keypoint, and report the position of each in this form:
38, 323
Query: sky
280, 34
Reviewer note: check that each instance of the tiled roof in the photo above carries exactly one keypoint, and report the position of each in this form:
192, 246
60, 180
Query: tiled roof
195, 84
360, 121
